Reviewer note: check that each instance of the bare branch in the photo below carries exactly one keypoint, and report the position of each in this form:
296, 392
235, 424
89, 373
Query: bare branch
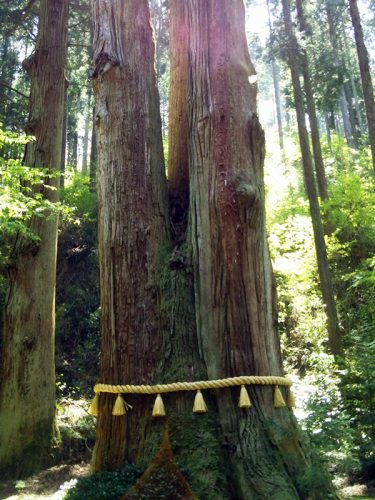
6, 85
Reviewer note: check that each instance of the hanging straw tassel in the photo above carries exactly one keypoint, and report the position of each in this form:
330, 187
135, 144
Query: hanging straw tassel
291, 399
119, 406
94, 407
159, 409
244, 401
278, 399
199, 404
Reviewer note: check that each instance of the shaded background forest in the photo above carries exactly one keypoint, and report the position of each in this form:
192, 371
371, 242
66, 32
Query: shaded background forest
335, 394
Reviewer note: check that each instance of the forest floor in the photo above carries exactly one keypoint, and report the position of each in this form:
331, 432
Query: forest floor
49, 484
45, 484
78, 433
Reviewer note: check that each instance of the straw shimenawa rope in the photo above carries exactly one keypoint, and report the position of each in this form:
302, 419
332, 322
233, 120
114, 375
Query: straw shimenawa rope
192, 386
199, 404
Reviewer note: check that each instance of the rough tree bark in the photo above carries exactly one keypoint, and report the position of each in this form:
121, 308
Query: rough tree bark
367, 87
27, 393
132, 216
334, 337
235, 300
226, 324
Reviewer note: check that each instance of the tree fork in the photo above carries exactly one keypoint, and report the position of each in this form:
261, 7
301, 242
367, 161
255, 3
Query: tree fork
209, 311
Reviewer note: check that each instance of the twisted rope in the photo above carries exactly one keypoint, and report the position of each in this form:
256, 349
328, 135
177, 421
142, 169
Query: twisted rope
191, 386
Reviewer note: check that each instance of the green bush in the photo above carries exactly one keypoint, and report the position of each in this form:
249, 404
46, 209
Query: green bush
103, 485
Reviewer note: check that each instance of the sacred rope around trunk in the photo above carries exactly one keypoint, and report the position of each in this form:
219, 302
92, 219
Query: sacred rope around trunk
120, 405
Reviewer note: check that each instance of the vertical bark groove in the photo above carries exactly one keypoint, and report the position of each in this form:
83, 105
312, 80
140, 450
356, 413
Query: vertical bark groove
133, 224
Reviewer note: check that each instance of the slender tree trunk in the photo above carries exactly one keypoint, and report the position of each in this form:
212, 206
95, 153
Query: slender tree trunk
85, 145
367, 87
27, 393
276, 85
352, 116
356, 103
93, 155
63, 146
343, 103
340, 63
74, 153
132, 218
328, 130
72, 135
315, 136
308, 171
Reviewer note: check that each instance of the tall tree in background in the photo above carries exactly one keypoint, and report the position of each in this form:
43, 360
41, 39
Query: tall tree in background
367, 87
309, 179
229, 318
310, 102
334, 11
27, 392
276, 82
17, 25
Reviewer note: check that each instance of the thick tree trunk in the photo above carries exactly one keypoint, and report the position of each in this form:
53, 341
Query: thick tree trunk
315, 136
132, 217
27, 393
235, 302
334, 337
368, 91
219, 322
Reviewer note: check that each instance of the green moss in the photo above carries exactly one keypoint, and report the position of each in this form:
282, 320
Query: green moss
162, 479
41, 452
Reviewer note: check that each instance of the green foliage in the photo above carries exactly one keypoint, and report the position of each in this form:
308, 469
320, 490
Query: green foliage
77, 434
337, 398
102, 485
77, 195
18, 199
21, 194
77, 294
329, 423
